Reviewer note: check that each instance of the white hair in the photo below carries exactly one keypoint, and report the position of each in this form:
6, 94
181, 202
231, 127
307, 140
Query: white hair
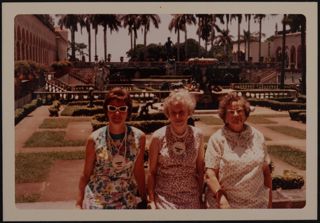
180, 95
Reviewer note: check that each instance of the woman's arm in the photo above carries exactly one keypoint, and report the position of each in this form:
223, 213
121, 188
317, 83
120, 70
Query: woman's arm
200, 167
153, 159
139, 169
268, 182
215, 187
87, 170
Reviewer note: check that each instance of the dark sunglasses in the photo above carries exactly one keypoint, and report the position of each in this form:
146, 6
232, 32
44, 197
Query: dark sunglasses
112, 108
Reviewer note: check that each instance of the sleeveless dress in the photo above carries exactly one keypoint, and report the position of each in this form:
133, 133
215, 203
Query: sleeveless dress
239, 158
176, 182
110, 187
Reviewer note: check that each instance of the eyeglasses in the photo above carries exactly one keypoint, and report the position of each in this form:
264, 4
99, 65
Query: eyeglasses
112, 108
233, 112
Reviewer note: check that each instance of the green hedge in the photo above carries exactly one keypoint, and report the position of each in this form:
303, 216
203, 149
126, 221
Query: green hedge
20, 113
145, 126
302, 99
289, 180
295, 114
277, 105
79, 110
83, 103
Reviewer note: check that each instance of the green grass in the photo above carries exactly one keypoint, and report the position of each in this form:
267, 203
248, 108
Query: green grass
260, 119
34, 167
51, 139
290, 131
209, 120
26, 198
59, 123
289, 155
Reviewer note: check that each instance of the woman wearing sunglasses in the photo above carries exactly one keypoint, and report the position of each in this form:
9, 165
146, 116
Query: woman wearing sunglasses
237, 162
113, 175
176, 161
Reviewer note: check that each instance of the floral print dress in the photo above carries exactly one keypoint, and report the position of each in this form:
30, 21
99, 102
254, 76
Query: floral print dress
110, 187
239, 158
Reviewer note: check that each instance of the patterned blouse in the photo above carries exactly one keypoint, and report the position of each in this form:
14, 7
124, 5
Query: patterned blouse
239, 158
176, 182
110, 187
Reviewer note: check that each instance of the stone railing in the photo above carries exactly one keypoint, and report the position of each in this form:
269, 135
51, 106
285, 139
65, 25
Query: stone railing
266, 93
141, 96
241, 86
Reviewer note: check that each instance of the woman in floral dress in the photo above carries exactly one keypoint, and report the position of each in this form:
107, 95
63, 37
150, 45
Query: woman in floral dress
237, 162
113, 175
176, 161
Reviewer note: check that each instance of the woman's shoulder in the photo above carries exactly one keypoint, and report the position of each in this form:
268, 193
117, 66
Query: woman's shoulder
161, 132
196, 130
98, 132
256, 132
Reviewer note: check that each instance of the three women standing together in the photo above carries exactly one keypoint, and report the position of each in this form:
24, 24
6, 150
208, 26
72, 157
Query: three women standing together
234, 166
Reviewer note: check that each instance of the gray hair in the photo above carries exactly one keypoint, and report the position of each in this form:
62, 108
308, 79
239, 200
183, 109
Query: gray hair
228, 99
180, 95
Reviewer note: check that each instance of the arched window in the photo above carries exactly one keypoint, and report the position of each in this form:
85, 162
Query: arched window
293, 57
299, 58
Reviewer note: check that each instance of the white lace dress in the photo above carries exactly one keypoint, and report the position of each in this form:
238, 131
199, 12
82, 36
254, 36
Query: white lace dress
239, 158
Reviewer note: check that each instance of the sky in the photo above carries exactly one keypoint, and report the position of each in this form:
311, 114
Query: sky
118, 43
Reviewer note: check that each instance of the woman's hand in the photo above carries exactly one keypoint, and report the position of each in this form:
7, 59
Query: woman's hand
152, 205
223, 202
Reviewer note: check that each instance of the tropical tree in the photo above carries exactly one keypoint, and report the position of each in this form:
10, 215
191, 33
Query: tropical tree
110, 21
85, 21
258, 18
214, 26
239, 19
95, 24
176, 23
297, 23
132, 21
204, 28
70, 21
225, 39
283, 54
145, 20
248, 19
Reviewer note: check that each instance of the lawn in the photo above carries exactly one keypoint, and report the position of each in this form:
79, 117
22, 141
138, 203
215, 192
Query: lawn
260, 119
289, 155
34, 167
209, 120
59, 123
51, 139
290, 131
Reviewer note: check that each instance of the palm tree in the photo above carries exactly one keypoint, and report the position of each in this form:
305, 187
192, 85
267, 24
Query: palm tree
297, 23
283, 58
187, 19
204, 28
145, 20
128, 21
225, 40
70, 21
239, 18
214, 26
85, 21
95, 24
176, 23
248, 19
259, 18
110, 21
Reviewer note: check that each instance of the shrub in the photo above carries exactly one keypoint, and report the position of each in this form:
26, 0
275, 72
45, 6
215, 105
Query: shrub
295, 114
145, 126
54, 108
82, 103
302, 99
289, 180
302, 117
20, 113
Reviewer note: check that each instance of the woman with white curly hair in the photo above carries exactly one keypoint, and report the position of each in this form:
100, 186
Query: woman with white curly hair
176, 161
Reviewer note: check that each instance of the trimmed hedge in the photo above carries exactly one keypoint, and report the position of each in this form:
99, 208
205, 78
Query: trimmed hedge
298, 114
83, 103
277, 105
289, 180
302, 99
20, 113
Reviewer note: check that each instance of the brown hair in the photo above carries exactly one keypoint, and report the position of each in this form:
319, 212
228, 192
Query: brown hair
118, 94
228, 99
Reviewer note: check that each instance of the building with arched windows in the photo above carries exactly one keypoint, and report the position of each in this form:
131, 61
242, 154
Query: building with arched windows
37, 41
271, 50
